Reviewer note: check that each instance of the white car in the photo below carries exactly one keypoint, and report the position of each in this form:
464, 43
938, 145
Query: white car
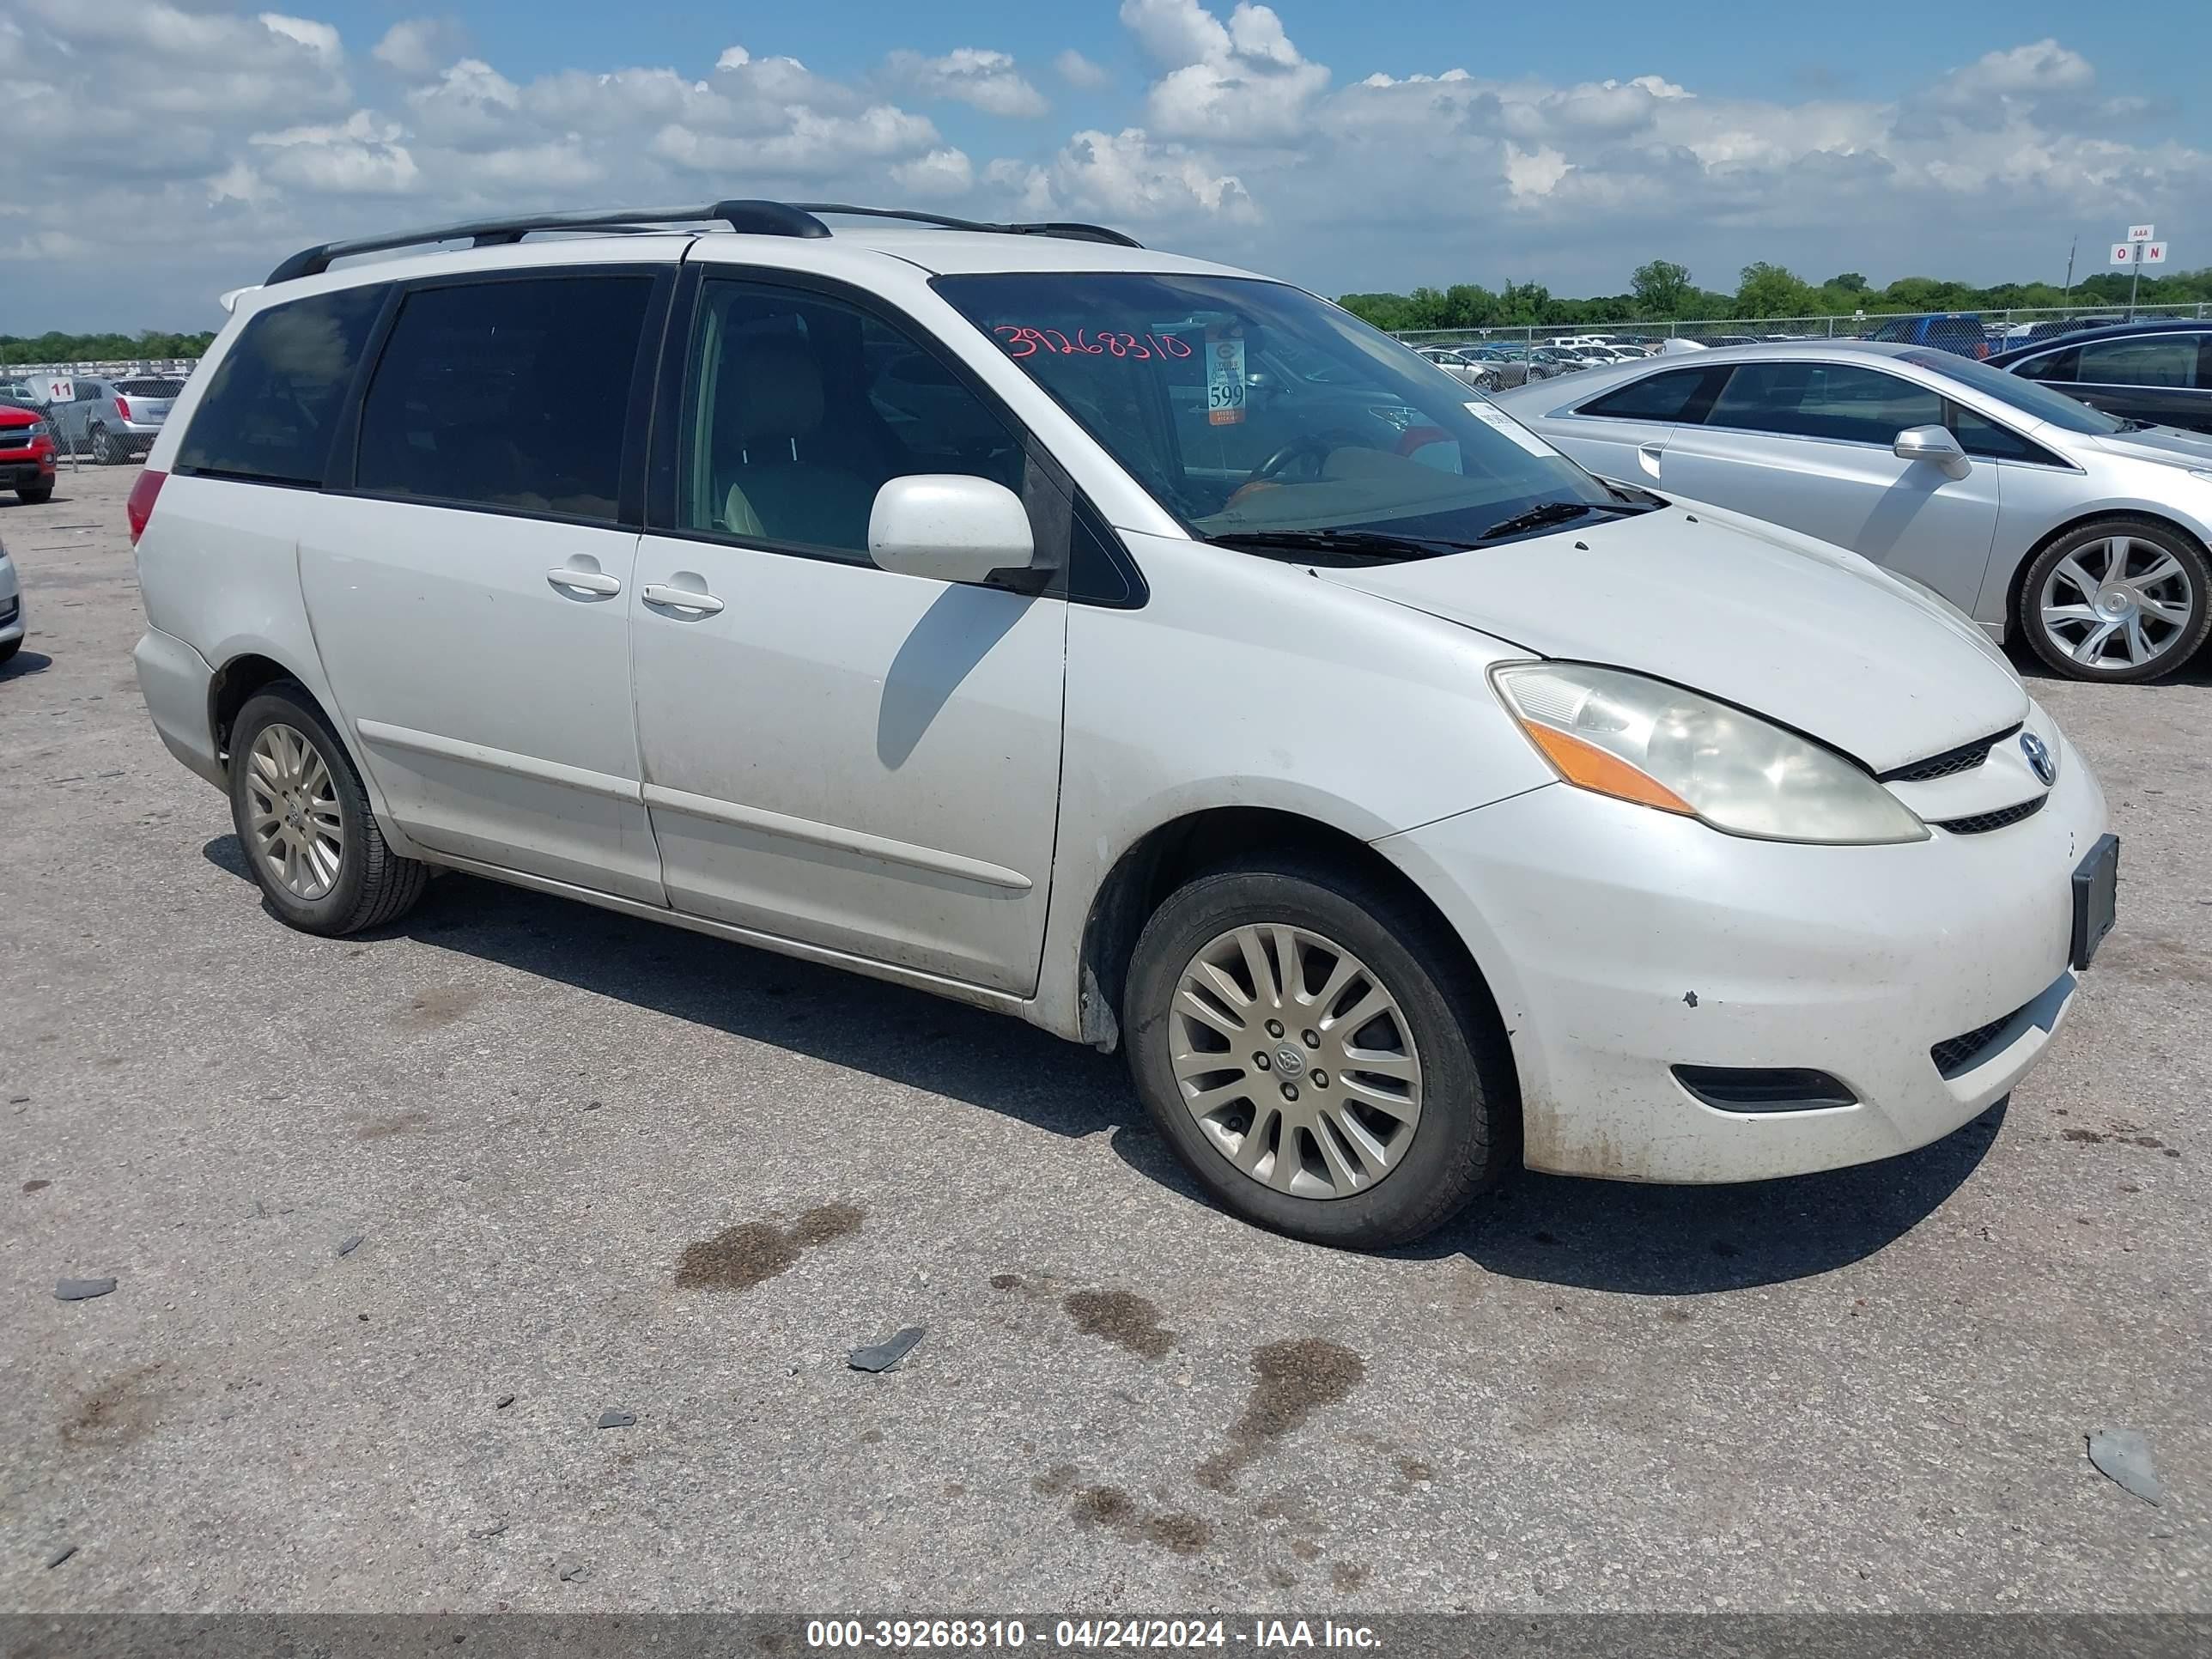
2033, 513
15, 624
1405, 802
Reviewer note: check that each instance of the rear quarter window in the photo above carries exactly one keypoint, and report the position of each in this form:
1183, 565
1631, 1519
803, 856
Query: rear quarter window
268, 415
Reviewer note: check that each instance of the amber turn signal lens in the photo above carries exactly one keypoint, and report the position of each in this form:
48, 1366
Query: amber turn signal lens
1590, 767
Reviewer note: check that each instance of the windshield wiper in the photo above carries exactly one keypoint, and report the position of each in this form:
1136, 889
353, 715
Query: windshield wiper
1374, 544
1546, 512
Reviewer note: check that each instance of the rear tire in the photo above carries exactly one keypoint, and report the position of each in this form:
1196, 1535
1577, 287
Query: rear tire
2076, 597
304, 822
104, 450
1261, 1123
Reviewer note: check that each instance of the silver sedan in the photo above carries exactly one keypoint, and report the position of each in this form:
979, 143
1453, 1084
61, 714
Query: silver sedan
2027, 509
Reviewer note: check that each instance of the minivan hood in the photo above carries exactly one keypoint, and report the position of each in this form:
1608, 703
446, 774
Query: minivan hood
1804, 634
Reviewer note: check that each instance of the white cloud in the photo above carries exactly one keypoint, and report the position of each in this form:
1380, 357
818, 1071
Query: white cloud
229, 138
1073, 67
940, 173
320, 38
1238, 82
416, 46
985, 80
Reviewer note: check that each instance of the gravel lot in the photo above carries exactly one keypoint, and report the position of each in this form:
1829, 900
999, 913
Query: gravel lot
597, 1165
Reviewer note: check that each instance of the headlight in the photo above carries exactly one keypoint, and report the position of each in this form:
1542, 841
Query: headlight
40, 429
1643, 740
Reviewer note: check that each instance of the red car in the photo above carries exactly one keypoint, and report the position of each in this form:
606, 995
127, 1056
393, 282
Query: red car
27, 452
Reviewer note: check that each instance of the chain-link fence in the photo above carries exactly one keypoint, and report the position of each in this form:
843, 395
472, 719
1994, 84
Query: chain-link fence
105, 413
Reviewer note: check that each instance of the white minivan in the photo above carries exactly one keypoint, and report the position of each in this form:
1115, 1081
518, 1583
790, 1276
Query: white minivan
1133, 645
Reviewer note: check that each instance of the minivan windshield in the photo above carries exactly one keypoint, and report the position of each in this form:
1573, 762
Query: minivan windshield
1262, 417
2030, 397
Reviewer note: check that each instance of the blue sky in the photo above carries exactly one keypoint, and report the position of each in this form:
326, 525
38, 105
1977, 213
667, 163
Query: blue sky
1345, 147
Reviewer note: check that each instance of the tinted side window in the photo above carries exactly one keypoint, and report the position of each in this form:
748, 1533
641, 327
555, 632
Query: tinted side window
800, 407
506, 394
1825, 400
2167, 361
2053, 367
1676, 395
1979, 436
275, 399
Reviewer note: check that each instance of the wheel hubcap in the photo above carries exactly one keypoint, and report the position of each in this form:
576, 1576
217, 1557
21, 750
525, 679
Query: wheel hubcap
1295, 1061
297, 833
2118, 603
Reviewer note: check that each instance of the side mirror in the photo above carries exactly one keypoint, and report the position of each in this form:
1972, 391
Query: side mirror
950, 527
1933, 444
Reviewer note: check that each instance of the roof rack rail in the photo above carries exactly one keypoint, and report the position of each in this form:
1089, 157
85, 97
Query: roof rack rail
760, 218
1072, 229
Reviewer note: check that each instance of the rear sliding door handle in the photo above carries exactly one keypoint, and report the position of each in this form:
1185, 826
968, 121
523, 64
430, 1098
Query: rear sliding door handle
679, 598
584, 581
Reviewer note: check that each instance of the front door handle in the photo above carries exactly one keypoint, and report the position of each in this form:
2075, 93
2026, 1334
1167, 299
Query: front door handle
584, 581
1647, 457
679, 598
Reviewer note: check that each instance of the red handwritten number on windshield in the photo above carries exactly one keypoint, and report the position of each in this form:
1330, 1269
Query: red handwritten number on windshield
1022, 341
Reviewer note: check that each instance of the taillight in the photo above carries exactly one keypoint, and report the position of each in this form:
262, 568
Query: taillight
139, 506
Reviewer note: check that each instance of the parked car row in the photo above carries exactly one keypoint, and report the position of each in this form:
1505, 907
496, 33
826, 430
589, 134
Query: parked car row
1208, 677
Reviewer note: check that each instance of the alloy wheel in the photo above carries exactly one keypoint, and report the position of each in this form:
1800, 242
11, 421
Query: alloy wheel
2118, 603
1295, 1060
295, 828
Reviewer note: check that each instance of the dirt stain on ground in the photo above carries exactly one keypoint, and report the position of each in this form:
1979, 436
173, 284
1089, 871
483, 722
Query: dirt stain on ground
1121, 1318
119, 1412
1177, 1531
1293, 1378
2121, 1137
1347, 1575
384, 1128
441, 1005
1413, 1472
1060, 1478
737, 1258
36, 1186
1305, 1549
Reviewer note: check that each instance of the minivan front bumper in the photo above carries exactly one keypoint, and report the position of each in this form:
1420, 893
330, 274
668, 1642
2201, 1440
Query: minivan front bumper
1621, 943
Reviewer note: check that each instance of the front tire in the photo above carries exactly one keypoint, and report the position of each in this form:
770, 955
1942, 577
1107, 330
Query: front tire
303, 819
1319, 1053
36, 494
2119, 600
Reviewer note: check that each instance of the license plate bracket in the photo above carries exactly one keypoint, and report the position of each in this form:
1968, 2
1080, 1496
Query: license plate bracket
2096, 899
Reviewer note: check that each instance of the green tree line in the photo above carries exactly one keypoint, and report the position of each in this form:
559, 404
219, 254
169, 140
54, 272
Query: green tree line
1662, 291
54, 347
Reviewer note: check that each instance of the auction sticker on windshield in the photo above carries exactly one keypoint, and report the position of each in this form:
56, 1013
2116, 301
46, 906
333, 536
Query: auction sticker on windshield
1489, 415
1224, 378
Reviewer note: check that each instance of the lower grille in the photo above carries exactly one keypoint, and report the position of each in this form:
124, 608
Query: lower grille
1955, 1056
1982, 823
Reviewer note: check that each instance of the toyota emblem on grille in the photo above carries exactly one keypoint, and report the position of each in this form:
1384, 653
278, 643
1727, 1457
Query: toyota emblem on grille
2040, 758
